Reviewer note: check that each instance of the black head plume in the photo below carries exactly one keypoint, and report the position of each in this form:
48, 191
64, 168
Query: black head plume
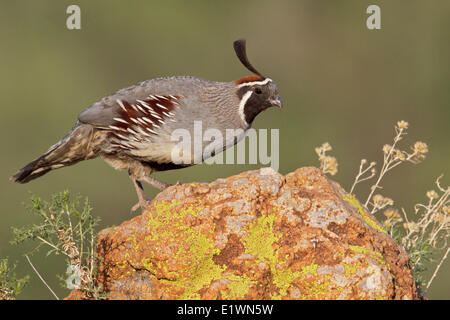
239, 48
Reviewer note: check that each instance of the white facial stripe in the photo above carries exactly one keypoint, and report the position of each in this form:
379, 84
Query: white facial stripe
244, 99
267, 80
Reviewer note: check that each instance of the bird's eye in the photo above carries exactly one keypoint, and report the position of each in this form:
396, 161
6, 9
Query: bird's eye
258, 90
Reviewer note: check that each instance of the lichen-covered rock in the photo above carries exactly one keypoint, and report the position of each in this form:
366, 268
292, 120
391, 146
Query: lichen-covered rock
257, 235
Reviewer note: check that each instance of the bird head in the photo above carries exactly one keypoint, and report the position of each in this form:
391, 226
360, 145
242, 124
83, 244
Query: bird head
256, 93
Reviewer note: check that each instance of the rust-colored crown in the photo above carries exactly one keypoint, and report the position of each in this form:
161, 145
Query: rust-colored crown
248, 79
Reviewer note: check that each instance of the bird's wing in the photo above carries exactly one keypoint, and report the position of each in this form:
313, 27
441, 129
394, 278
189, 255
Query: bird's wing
133, 115
131, 105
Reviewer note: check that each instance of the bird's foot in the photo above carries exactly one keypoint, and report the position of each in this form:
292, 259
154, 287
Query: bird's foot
141, 204
143, 200
156, 183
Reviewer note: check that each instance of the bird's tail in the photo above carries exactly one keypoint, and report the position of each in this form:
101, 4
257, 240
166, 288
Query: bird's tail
74, 147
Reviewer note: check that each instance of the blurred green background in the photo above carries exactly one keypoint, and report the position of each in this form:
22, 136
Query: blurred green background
339, 81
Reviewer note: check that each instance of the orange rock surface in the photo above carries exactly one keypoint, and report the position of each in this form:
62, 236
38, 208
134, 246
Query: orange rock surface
256, 235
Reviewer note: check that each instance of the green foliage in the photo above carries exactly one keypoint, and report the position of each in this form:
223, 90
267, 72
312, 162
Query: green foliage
10, 285
421, 256
66, 228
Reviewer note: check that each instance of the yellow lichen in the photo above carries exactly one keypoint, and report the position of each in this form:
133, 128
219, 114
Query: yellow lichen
317, 289
312, 269
374, 254
146, 262
238, 287
351, 268
350, 198
261, 238
283, 280
194, 252
260, 243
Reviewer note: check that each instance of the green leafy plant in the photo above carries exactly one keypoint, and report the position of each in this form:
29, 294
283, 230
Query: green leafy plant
66, 228
10, 285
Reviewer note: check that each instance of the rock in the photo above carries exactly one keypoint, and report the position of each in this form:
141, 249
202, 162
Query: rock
256, 235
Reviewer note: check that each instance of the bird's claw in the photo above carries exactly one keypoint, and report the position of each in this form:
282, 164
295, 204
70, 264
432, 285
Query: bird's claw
142, 205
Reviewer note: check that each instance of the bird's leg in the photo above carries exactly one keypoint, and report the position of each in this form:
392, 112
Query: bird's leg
155, 183
143, 200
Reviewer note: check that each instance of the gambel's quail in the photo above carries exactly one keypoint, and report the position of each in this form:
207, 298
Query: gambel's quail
132, 128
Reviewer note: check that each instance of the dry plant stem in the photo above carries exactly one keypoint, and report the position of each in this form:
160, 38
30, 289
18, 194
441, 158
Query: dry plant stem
53, 246
429, 210
427, 233
385, 168
436, 271
40, 277
361, 173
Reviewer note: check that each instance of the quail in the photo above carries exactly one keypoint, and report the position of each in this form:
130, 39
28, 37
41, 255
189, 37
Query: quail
132, 128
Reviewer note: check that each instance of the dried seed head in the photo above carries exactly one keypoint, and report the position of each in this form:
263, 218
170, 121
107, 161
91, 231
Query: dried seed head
387, 148
420, 148
329, 165
440, 218
402, 125
391, 213
411, 226
446, 209
326, 147
381, 201
399, 155
432, 194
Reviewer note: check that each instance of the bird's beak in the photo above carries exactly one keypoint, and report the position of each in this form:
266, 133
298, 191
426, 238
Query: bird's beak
277, 102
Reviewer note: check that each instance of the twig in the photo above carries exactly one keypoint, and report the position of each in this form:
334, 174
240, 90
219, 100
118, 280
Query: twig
436, 271
29, 261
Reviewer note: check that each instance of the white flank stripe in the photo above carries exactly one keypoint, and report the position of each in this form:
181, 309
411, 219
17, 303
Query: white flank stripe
126, 144
140, 108
134, 120
142, 121
121, 105
161, 106
131, 131
267, 80
148, 120
121, 120
121, 136
150, 130
115, 128
242, 105
142, 131
144, 104
152, 97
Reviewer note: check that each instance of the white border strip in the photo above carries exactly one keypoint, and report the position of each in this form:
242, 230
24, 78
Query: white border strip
267, 80
244, 99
